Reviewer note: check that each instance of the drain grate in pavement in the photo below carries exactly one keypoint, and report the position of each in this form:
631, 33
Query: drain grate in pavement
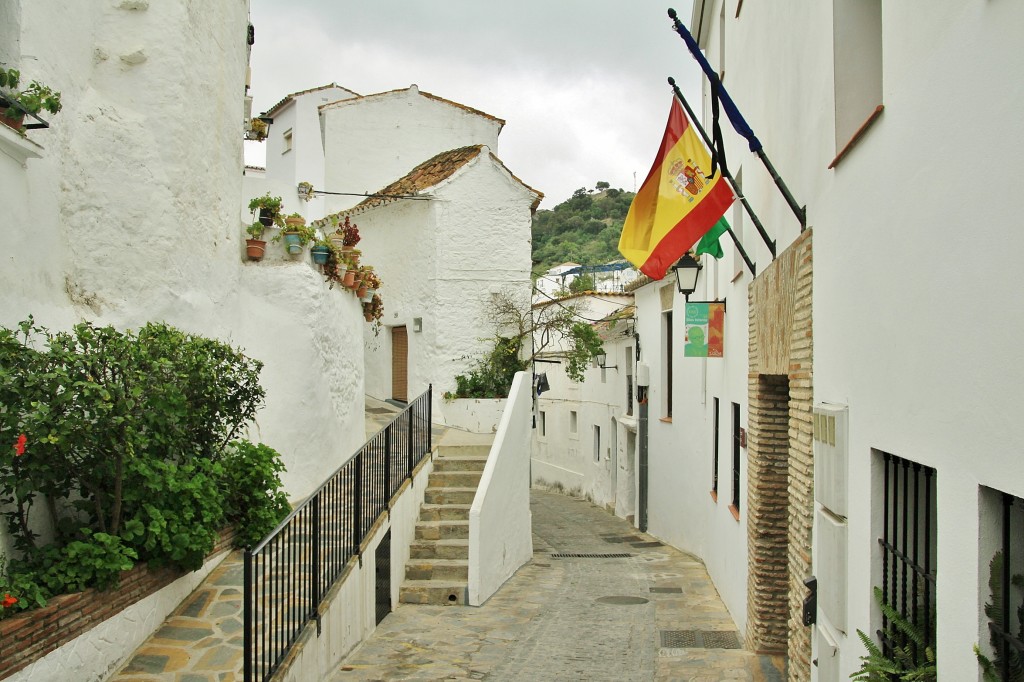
667, 590
570, 555
699, 639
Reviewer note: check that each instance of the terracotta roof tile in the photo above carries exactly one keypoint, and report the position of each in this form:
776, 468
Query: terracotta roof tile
288, 98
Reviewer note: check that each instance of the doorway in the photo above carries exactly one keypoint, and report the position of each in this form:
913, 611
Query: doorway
400, 364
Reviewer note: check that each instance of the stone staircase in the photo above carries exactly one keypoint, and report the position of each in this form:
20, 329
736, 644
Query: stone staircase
438, 568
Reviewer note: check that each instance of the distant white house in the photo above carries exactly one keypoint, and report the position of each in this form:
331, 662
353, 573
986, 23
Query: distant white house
608, 278
585, 440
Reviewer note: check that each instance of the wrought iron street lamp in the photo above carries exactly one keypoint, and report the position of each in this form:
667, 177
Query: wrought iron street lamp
687, 269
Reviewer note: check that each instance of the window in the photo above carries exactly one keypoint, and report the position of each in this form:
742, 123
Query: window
667, 324
572, 421
908, 543
736, 442
857, 62
287, 136
542, 423
597, 443
1002, 555
714, 451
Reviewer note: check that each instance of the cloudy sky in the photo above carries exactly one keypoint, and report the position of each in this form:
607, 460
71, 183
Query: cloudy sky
581, 85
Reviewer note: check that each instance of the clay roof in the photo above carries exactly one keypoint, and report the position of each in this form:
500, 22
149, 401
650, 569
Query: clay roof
360, 98
288, 98
424, 176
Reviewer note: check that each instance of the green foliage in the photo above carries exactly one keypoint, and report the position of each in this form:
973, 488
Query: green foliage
122, 438
584, 343
583, 229
492, 375
173, 511
253, 499
34, 98
991, 669
582, 283
20, 590
911, 661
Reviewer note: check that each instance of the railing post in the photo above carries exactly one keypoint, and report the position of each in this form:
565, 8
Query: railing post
387, 463
357, 503
316, 573
430, 416
408, 441
247, 618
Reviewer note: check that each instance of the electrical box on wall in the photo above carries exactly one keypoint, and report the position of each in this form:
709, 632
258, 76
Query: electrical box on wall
831, 423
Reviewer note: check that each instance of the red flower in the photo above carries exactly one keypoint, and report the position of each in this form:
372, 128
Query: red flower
8, 601
19, 447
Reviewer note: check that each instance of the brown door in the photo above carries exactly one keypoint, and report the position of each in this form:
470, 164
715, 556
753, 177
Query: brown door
400, 364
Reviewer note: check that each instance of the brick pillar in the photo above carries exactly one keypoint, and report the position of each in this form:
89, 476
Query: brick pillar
768, 513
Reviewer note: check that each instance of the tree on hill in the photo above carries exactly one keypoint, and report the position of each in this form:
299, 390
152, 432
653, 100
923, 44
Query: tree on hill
583, 229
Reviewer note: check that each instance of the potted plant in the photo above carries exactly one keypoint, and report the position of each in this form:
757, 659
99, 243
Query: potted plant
15, 104
361, 283
350, 260
373, 309
269, 209
346, 236
296, 233
371, 280
321, 250
306, 192
255, 246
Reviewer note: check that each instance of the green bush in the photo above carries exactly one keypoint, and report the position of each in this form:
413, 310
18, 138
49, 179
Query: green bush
253, 499
123, 439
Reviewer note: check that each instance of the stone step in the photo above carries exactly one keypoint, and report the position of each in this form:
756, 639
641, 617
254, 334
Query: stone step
448, 464
464, 450
435, 592
445, 512
442, 530
439, 549
454, 479
437, 569
449, 495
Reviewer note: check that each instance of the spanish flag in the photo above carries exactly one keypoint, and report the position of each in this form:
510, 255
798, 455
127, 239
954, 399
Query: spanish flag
677, 204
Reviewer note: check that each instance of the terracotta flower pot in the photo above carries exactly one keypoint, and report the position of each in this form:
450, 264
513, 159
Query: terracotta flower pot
255, 248
368, 317
361, 291
349, 280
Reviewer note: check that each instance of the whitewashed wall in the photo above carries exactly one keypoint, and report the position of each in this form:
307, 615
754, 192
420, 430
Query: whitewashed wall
500, 521
441, 260
410, 125
131, 214
916, 312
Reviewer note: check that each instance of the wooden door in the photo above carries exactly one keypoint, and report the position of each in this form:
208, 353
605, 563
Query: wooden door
400, 364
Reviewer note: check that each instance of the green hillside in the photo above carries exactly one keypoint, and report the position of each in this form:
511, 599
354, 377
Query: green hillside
583, 229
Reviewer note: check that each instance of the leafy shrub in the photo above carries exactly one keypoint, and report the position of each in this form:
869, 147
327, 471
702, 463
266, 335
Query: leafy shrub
253, 499
493, 374
96, 560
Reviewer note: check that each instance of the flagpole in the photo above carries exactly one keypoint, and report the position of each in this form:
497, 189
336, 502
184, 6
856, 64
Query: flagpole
737, 120
732, 183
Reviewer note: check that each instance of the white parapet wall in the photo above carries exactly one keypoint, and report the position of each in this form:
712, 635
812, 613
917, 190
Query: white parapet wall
500, 533
476, 415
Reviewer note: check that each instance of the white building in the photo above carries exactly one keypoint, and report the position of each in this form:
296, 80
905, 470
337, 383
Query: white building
859, 422
585, 437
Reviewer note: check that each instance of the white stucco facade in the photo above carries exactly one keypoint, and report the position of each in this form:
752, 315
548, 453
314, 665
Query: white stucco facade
371, 141
130, 214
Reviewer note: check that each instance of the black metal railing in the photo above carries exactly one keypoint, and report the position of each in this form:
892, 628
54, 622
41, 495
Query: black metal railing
908, 552
1005, 608
288, 574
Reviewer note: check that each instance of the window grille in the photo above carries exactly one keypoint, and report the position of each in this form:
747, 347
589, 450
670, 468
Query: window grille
736, 442
714, 450
908, 552
1004, 607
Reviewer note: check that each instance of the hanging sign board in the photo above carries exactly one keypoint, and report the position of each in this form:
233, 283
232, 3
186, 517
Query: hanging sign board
705, 327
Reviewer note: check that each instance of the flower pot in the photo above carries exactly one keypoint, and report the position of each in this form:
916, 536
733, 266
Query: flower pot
361, 292
266, 217
320, 254
366, 297
368, 317
349, 280
255, 248
295, 221
292, 243
339, 242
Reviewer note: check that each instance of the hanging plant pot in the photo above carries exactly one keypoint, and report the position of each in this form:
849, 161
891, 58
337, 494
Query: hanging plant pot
267, 217
361, 292
339, 242
293, 243
294, 220
320, 254
255, 248
367, 296
349, 280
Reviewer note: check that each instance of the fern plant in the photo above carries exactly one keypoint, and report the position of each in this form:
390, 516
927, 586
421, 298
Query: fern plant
912, 661
991, 669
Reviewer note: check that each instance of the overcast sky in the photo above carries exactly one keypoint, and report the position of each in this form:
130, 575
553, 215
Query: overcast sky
581, 85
